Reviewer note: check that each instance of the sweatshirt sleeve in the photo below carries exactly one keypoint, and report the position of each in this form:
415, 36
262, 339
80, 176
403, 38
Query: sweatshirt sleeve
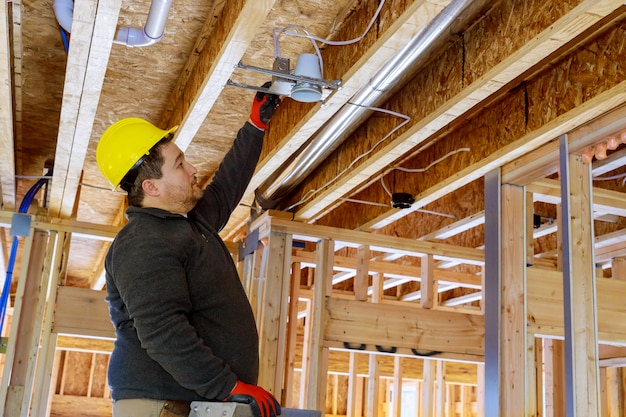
232, 177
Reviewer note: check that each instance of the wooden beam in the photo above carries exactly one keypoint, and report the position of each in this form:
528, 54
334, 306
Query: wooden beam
376, 242
93, 29
58, 249
21, 357
85, 344
394, 270
514, 343
545, 318
239, 23
391, 326
71, 405
545, 298
397, 386
70, 319
83, 229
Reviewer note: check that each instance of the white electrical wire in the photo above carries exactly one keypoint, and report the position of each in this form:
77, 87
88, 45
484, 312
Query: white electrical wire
308, 35
613, 177
311, 193
277, 32
415, 170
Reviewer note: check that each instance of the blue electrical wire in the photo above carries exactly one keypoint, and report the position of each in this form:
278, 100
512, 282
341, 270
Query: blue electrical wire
66, 42
26, 202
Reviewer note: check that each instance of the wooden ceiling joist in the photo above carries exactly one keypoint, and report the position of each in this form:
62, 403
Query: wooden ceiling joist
508, 69
93, 29
405, 27
604, 201
238, 25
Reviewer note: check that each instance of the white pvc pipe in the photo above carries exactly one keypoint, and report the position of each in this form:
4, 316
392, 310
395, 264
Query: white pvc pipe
64, 10
151, 33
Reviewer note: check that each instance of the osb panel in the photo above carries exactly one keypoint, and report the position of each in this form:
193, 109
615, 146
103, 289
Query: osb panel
41, 91
512, 23
572, 81
76, 369
563, 86
99, 387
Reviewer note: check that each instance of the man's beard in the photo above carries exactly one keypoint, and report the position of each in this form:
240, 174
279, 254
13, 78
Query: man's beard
187, 203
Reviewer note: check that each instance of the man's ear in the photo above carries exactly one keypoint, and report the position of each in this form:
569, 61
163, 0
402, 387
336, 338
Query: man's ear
150, 188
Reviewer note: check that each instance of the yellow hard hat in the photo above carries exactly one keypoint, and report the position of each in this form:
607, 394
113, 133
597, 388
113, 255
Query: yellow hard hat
123, 144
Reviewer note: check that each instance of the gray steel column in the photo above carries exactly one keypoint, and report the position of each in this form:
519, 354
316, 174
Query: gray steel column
492, 291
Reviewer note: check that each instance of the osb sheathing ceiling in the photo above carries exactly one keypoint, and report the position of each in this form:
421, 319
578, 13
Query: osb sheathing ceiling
516, 77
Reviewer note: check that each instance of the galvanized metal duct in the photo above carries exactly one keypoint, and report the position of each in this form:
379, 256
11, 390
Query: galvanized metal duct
394, 74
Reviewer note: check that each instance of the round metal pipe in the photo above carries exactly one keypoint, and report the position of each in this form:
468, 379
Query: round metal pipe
393, 75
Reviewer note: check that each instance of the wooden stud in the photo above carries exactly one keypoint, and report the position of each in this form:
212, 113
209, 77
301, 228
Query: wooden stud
514, 370
378, 281
618, 267
25, 330
335, 385
306, 357
397, 385
373, 387
480, 390
292, 333
427, 284
353, 385
45, 366
272, 320
539, 374
361, 280
91, 374
451, 390
466, 400
580, 306
615, 400
316, 379
604, 406
428, 388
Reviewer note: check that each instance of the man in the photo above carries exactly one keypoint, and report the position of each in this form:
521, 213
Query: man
184, 327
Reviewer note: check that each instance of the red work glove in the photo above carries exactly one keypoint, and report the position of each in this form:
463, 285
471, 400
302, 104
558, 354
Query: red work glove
263, 403
263, 107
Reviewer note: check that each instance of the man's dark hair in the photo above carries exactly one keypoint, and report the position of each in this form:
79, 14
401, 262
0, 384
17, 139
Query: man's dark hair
149, 167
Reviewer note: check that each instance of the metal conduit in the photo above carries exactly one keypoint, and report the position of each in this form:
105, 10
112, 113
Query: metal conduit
395, 73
